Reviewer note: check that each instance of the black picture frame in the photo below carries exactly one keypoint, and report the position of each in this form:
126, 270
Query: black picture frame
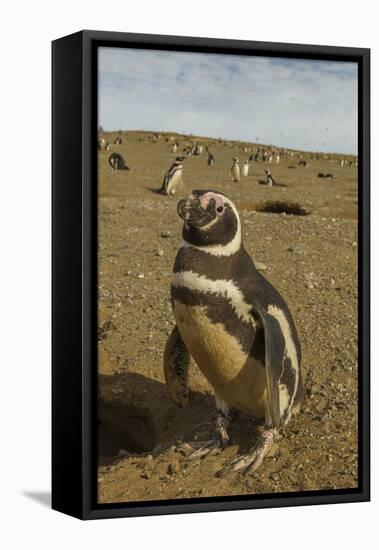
74, 315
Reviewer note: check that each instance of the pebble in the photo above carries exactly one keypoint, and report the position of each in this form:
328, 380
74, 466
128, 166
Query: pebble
251, 483
160, 253
295, 249
274, 476
260, 267
165, 234
140, 276
274, 451
321, 405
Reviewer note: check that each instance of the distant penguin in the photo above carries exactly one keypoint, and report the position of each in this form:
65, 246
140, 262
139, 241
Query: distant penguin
245, 168
269, 179
173, 178
118, 141
235, 170
103, 144
174, 147
211, 159
236, 327
117, 162
277, 159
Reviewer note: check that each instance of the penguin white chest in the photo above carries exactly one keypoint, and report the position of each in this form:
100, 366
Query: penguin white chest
236, 172
175, 182
235, 376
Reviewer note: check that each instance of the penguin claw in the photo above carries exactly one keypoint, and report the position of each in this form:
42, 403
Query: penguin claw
198, 449
251, 461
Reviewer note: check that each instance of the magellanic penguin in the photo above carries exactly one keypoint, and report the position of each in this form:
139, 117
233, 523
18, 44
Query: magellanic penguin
211, 159
173, 178
245, 168
117, 162
269, 179
235, 170
235, 325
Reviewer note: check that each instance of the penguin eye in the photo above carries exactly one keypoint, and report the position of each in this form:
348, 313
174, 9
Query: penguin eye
220, 209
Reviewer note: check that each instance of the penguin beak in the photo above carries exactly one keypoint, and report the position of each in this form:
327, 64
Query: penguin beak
190, 211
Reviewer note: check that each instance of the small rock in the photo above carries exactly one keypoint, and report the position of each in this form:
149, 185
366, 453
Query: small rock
321, 405
140, 276
160, 252
274, 476
295, 249
251, 483
260, 267
310, 286
274, 451
316, 388
149, 458
165, 234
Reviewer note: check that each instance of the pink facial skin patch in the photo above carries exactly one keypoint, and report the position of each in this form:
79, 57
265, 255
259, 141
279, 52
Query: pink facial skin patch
204, 200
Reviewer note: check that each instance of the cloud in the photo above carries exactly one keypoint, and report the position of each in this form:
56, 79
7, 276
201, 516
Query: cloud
287, 102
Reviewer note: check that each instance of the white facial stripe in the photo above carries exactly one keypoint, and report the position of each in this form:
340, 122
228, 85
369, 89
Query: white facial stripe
290, 348
223, 249
222, 287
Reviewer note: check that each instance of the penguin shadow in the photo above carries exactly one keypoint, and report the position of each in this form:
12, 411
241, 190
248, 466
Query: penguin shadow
264, 182
136, 417
154, 190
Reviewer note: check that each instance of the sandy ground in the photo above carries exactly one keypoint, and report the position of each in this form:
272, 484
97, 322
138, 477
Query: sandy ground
311, 259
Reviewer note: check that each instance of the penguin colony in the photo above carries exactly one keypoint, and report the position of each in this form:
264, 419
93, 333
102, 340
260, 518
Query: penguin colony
173, 178
235, 325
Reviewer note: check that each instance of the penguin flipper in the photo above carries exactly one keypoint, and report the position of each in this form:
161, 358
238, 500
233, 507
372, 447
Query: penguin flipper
274, 357
176, 364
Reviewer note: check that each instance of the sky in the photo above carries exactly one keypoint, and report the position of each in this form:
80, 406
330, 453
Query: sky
294, 103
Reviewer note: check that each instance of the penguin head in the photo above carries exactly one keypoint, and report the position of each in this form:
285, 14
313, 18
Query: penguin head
210, 219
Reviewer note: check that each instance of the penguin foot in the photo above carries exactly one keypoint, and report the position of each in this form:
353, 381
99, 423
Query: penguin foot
251, 461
